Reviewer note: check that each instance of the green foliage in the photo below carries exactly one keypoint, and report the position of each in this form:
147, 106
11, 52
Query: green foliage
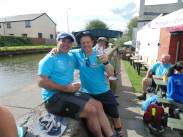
96, 24
14, 41
132, 24
121, 39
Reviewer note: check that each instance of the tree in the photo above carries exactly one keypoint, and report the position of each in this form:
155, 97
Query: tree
132, 24
96, 24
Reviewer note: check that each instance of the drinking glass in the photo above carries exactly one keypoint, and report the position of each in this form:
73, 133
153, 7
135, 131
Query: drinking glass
78, 93
99, 52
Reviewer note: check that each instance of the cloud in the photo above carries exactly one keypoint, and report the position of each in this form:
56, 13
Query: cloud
127, 12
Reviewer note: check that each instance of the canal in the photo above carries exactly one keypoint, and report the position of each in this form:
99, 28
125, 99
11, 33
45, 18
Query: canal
18, 71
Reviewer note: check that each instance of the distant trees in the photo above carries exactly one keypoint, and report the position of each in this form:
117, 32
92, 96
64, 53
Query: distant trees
132, 24
96, 24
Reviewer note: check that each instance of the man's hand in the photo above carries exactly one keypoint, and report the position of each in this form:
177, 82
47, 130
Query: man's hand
55, 52
73, 87
103, 58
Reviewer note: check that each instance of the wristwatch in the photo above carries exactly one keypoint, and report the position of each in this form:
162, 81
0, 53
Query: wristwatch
106, 63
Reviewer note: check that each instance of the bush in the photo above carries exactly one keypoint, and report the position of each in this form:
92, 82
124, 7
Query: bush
14, 41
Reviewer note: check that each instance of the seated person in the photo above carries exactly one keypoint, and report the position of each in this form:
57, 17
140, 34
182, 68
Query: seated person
160, 68
175, 85
8, 127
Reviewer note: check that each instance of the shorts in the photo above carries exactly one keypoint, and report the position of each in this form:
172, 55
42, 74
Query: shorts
109, 103
67, 104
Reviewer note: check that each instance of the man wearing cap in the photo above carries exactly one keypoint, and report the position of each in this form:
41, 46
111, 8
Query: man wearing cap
55, 76
93, 81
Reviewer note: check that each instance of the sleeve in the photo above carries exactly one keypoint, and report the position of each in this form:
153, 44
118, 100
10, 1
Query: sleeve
45, 66
170, 87
153, 67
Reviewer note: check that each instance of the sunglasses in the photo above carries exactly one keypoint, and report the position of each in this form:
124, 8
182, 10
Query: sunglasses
87, 62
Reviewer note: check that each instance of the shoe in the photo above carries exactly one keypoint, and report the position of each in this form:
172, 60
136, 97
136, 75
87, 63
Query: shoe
113, 78
142, 97
116, 96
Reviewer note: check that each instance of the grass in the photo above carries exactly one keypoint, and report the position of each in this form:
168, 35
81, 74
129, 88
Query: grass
26, 47
135, 79
114, 84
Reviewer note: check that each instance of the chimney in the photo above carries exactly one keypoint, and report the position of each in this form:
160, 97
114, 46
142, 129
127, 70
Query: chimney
179, 1
142, 5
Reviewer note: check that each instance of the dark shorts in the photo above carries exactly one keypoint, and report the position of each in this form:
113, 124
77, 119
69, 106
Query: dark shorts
67, 104
109, 103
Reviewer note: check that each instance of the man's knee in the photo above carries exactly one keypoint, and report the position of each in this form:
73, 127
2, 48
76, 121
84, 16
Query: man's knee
98, 105
90, 110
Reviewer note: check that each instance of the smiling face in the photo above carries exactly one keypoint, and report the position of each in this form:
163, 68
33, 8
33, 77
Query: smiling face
64, 45
164, 60
87, 44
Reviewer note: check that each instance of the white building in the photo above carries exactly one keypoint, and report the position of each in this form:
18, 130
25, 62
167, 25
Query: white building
30, 25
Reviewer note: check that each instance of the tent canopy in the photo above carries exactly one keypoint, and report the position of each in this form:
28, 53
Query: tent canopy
172, 22
128, 43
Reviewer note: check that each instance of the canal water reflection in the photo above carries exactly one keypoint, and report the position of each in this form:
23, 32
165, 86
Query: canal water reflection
18, 71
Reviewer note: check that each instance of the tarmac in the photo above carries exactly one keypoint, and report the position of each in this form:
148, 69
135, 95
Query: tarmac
23, 100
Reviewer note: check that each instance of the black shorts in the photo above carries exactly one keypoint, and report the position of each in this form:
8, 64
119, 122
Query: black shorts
67, 104
109, 103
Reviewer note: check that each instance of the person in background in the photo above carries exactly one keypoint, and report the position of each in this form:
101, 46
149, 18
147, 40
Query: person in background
174, 92
55, 76
160, 68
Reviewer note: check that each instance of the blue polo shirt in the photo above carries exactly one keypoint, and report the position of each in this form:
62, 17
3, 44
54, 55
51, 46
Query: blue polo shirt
60, 70
93, 79
159, 69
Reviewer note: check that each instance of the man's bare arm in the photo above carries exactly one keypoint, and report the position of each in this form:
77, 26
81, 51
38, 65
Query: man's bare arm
45, 82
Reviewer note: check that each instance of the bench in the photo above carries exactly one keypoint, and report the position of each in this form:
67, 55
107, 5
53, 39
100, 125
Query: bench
165, 103
173, 122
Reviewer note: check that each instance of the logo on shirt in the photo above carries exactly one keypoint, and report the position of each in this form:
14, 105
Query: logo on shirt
178, 82
70, 64
61, 64
94, 65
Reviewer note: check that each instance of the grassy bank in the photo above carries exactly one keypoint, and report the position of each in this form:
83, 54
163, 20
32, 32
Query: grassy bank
27, 47
135, 79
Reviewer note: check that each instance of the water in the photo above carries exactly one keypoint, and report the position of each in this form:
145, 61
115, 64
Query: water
18, 71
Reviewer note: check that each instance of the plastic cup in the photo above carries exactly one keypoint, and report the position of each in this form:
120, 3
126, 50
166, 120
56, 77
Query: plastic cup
165, 78
99, 52
78, 93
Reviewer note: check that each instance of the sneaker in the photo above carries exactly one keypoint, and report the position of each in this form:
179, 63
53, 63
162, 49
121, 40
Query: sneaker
113, 78
142, 97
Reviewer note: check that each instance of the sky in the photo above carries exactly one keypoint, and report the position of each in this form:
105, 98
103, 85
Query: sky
74, 15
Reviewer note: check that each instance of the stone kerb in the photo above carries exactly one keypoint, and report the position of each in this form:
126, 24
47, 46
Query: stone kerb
75, 128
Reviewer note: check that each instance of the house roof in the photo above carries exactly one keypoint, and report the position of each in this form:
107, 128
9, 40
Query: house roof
152, 11
26, 17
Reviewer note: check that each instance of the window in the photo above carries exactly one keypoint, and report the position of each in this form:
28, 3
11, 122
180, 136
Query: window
51, 36
0, 25
24, 35
39, 35
27, 24
11, 34
8, 24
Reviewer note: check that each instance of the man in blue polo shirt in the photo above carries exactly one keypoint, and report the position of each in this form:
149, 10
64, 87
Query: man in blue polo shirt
160, 68
55, 76
93, 81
